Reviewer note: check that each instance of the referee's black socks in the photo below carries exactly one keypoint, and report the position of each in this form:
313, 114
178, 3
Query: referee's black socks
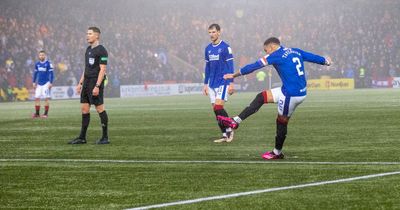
85, 125
104, 123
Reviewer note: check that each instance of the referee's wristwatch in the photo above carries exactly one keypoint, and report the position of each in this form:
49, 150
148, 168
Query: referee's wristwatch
97, 85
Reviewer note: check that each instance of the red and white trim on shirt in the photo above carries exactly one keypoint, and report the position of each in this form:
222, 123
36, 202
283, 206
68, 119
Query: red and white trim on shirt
264, 60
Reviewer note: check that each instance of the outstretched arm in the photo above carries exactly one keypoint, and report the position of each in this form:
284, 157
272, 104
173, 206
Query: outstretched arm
313, 58
249, 68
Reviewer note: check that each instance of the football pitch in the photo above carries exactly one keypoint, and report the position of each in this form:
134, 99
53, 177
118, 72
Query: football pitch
342, 152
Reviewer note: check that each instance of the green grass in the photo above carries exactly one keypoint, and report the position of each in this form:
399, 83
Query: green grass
331, 126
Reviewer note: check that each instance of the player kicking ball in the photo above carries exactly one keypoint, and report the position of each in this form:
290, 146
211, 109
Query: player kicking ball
42, 82
219, 61
289, 63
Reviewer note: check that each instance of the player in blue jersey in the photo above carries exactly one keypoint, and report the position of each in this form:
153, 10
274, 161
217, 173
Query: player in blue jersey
43, 77
289, 63
219, 61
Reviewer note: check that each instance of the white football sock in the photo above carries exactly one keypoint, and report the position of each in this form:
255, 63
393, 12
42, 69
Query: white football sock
277, 152
237, 119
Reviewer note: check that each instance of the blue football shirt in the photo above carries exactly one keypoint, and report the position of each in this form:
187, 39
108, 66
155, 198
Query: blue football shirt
219, 61
43, 72
289, 63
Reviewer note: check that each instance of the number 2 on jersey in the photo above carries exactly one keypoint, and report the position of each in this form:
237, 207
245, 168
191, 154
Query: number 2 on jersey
298, 66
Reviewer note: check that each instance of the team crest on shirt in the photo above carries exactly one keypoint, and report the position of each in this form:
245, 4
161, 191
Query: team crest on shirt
91, 61
219, 50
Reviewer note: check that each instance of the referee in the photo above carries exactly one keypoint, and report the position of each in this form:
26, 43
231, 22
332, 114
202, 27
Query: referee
91, 86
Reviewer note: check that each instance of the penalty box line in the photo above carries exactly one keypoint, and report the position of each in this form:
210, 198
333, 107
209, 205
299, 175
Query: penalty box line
220, 197
198, 161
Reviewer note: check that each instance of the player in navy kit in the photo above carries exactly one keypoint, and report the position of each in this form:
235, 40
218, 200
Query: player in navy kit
289, 63
43, 77
91, 86
219, 61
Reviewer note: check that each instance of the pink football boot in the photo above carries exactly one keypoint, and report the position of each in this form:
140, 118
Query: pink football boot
270, 155
228, 122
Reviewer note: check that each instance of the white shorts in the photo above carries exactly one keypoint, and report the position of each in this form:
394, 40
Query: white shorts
286, 104
42, 91
218, 93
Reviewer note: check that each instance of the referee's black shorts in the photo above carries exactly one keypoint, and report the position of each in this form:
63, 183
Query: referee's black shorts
87, 92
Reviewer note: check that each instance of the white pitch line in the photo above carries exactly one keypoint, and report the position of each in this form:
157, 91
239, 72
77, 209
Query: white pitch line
219, 197
199, 162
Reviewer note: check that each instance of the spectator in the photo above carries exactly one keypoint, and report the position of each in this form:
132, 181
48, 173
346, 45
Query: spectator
143, 38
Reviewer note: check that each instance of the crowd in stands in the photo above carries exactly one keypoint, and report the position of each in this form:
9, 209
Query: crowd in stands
143, 36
